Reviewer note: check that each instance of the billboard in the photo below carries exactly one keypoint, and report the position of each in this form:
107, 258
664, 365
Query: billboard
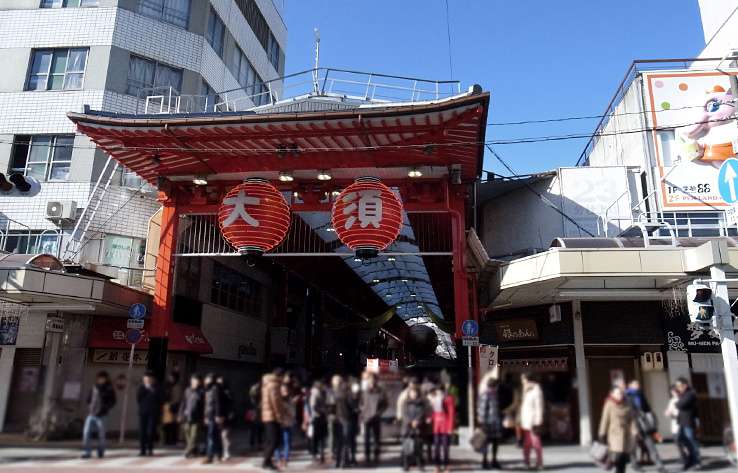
691, 115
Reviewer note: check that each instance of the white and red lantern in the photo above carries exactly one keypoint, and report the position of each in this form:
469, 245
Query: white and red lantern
254, 217
367, 216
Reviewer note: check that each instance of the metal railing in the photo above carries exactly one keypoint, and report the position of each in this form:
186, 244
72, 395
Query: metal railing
351, 86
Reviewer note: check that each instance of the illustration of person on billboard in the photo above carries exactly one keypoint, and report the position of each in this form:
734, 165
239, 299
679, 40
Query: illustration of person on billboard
706, 139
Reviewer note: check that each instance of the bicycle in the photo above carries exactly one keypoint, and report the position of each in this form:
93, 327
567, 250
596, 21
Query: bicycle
54, 426
729, 445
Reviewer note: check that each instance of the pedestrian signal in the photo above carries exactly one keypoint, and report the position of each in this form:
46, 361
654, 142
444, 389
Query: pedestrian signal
18, 185
701, 308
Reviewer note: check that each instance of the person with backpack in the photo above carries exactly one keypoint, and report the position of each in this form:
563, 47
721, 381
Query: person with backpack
490, 420
100, 400
646, 427
414, 416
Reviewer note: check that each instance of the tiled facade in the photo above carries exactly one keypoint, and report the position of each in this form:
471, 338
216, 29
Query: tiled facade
112, 33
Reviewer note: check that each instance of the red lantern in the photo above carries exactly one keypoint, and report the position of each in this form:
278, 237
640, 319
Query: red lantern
367, 216
254, 217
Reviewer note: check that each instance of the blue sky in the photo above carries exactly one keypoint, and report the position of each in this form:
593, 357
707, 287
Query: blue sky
539, 59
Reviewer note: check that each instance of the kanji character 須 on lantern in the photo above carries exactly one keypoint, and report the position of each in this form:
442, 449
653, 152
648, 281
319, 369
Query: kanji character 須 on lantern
367, 216
254, 217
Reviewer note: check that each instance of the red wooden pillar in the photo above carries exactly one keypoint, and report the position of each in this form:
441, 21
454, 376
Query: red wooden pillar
164, 288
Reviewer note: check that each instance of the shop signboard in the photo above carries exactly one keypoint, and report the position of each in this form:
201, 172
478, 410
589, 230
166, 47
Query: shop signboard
689, 113
119, 356
514, 330
684, 335
55, 324
488, 356
9, 329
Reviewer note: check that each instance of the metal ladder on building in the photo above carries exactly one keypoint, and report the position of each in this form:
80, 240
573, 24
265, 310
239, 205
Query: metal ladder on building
74, 245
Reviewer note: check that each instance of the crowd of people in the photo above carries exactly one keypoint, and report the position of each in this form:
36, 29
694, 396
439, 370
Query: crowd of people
628, 424
329, 415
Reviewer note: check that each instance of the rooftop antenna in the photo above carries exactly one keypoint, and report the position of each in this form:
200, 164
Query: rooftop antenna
317, 55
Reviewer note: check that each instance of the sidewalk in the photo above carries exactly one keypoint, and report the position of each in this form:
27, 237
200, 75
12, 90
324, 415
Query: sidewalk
64, 457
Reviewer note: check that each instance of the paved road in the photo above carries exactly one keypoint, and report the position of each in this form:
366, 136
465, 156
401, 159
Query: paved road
66, 460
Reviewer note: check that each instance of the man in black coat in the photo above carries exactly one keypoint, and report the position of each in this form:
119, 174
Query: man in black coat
214, 418
99, 402
191, 414
687, 420
149, 397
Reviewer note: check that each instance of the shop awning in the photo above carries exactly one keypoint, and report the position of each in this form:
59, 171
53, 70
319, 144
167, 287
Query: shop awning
109, 332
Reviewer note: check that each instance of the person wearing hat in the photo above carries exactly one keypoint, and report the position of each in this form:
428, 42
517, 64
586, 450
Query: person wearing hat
214, 419
149, 397
99, 401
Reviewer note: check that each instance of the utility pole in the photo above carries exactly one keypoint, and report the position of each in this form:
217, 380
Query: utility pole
724, 324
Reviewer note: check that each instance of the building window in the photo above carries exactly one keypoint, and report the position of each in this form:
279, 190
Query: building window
57, 69
188, 277
68, 3
256, 21
147, 74
274, 52
216, 33
45, 157
208, 98
247, 77
233, 290
31, 242
175, 12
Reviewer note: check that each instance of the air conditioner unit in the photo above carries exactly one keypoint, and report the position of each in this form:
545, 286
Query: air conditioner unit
61, 210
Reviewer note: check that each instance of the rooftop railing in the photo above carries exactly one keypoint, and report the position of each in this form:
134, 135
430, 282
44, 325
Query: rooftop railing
344, 85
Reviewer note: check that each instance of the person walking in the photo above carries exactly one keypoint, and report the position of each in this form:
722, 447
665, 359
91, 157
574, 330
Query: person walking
490, 420
646, 427
414, 416
191, 414
672, 413
354, 400
318, 420
272, 415
531, 419
687, 420
617, 428
372, 406
170, 409
288, 425
256, 434
214, 418
228, 413
100, 400
149, 398
443, 418
342, 410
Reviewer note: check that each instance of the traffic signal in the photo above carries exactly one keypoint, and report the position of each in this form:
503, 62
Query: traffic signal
19, 185
699, 299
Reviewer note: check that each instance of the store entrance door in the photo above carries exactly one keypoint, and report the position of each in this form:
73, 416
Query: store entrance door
602, 373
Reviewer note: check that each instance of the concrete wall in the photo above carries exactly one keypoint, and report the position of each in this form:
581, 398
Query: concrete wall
714, 14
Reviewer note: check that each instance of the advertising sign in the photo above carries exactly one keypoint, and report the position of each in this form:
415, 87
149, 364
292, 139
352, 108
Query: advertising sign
487, 359
690, 115
9, 329
516, 330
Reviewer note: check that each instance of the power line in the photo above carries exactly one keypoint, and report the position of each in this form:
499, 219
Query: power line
541, 196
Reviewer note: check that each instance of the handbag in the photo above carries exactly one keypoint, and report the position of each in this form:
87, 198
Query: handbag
599, 451
408, 446
478, 440
647, 423
508, 422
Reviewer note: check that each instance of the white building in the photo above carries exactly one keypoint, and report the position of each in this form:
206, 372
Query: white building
118, 56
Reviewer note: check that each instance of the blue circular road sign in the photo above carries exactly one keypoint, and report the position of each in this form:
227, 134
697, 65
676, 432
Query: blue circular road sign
137, 310
728, 180
470, 328
133, 336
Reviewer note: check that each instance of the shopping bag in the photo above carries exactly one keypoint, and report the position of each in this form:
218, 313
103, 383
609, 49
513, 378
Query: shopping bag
478, 440
508, 422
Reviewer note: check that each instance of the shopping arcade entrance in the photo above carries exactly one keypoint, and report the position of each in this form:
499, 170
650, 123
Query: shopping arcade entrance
440, 139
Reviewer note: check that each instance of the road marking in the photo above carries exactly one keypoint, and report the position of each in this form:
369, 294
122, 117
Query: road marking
71, 462
163, 461
119, 461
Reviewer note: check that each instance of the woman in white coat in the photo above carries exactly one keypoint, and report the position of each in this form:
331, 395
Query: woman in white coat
531, 419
